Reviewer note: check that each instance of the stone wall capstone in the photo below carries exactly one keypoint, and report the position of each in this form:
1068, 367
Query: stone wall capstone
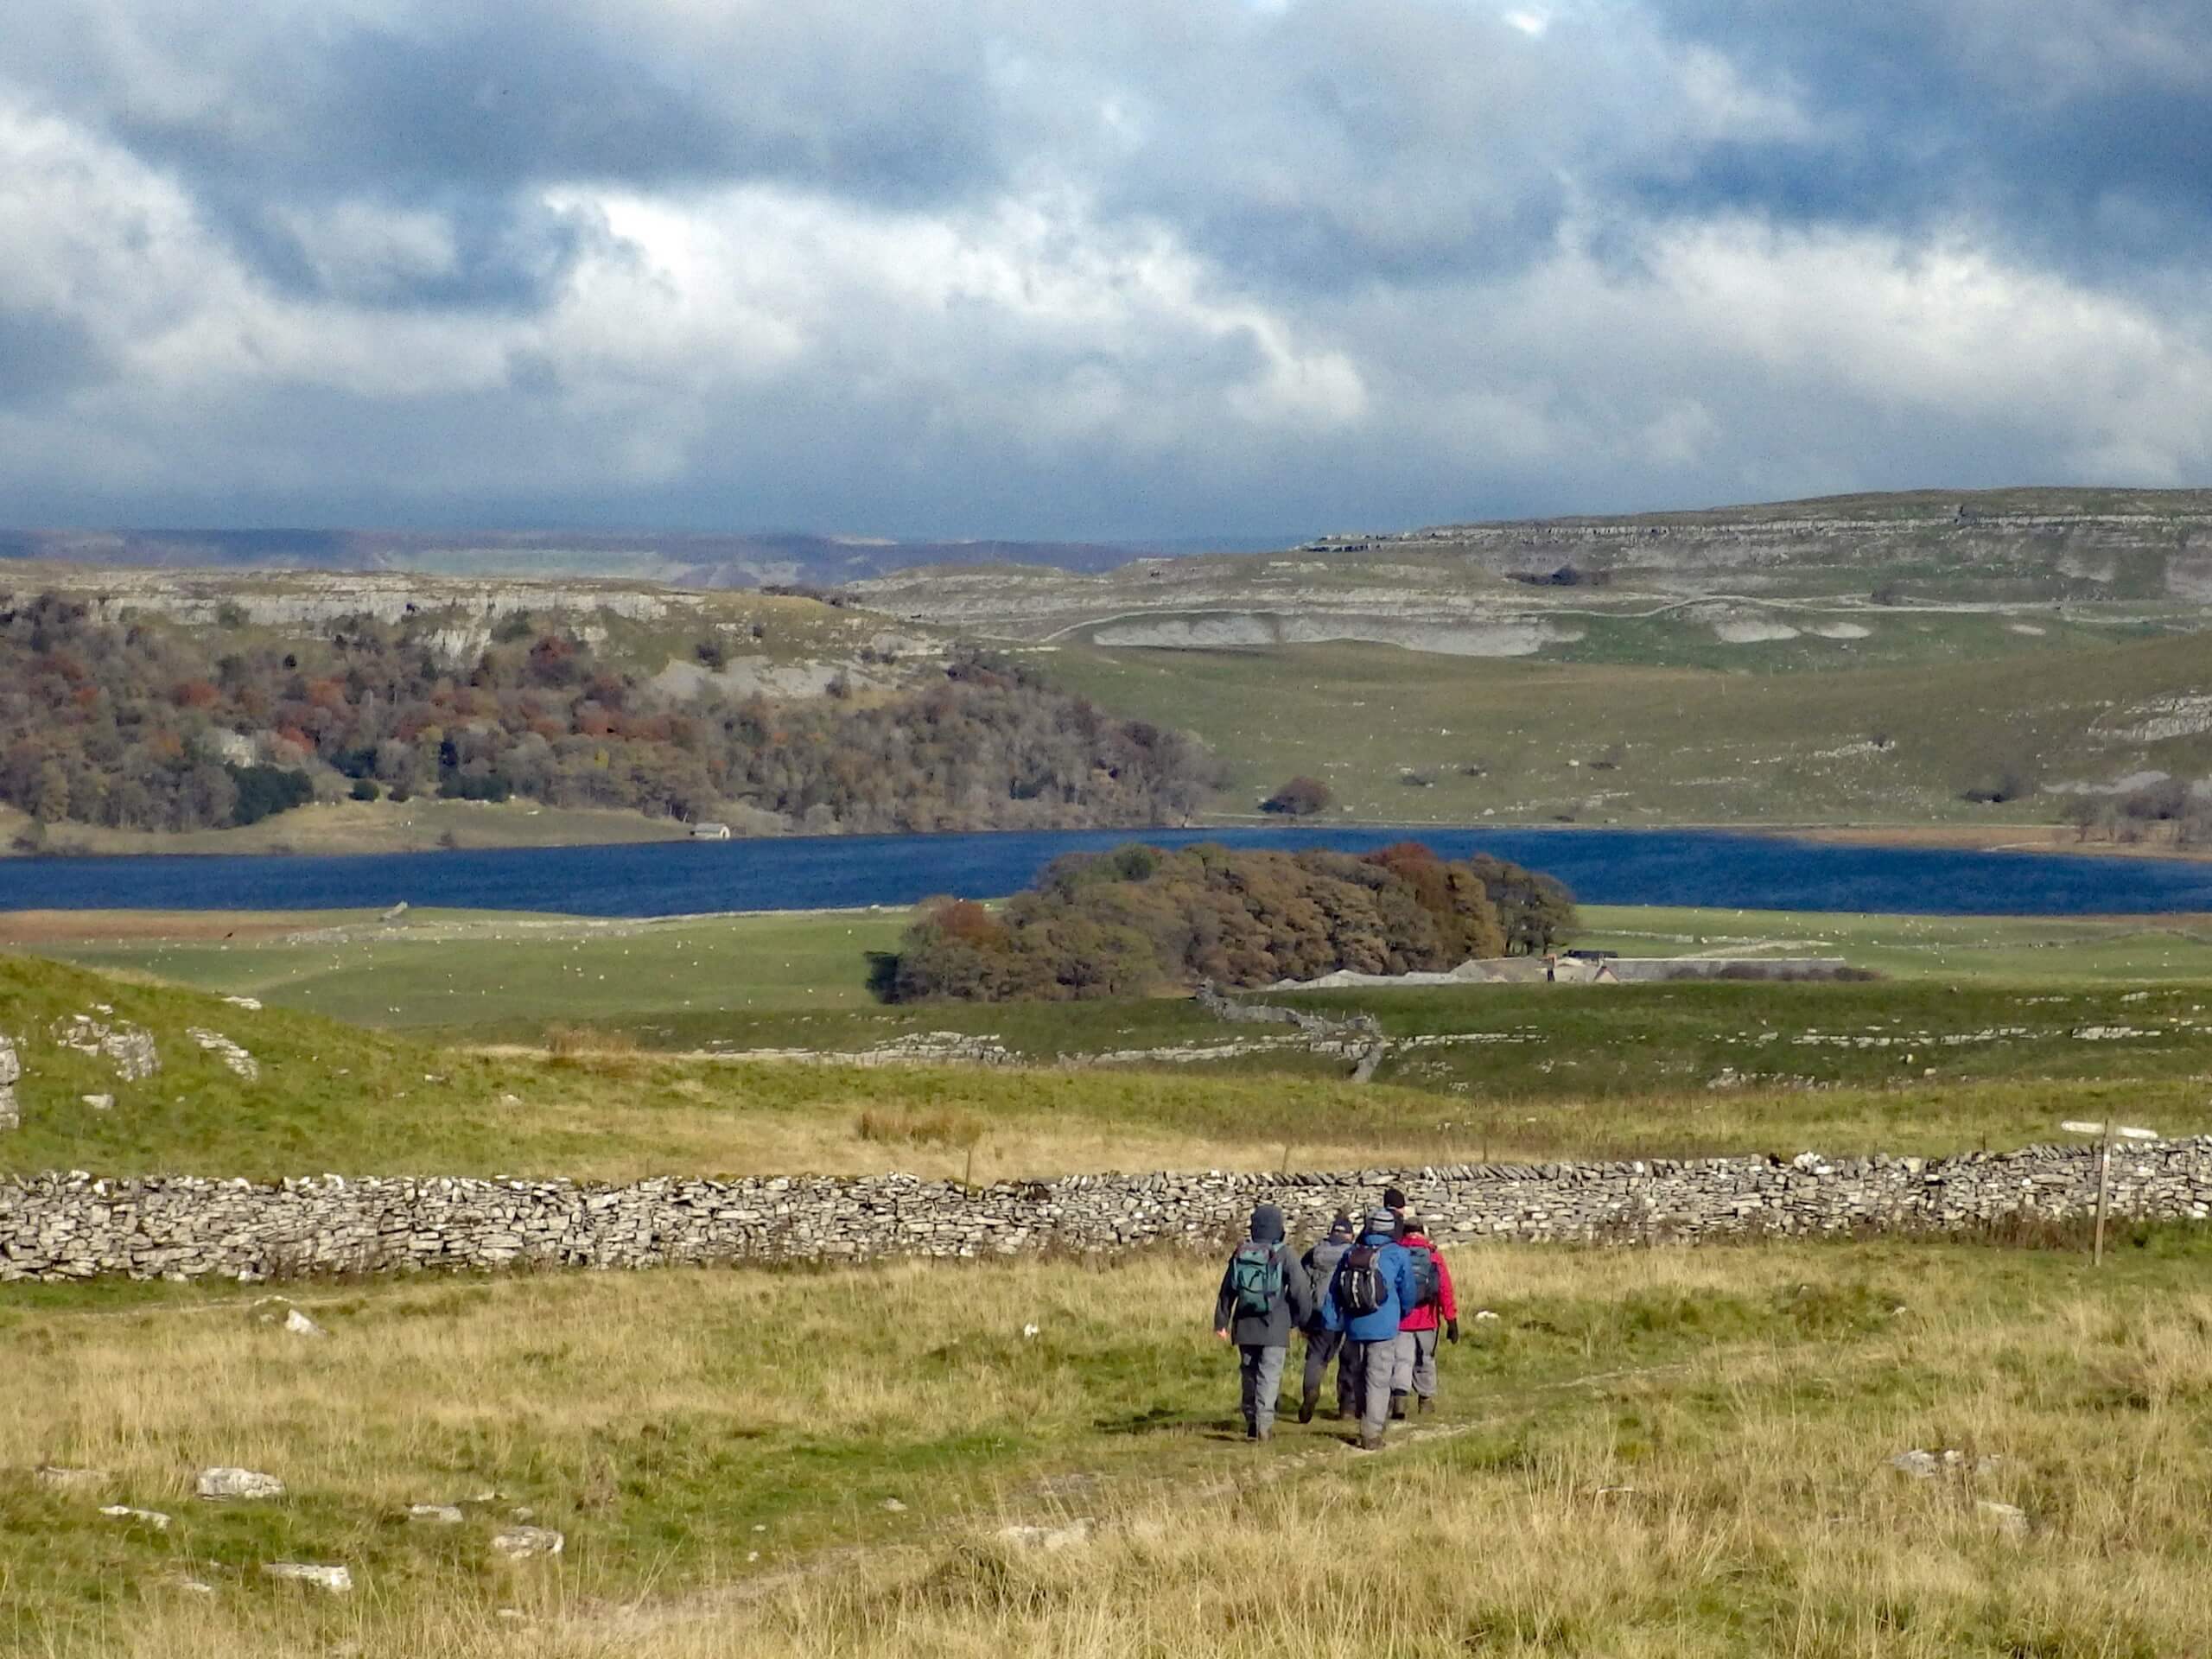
76, 1226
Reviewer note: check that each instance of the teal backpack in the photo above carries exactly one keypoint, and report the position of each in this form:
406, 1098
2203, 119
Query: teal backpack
1256, 1276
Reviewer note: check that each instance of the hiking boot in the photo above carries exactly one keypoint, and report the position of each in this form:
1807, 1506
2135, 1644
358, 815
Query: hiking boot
1397, 1407
1370, 1442
1306, 1408
1425, 1404
1266, 1433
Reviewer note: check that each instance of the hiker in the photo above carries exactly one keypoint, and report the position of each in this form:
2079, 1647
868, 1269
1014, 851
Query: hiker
1369, 1292
1264, 1296
1323, 1344
1434, 1302
1394, 1200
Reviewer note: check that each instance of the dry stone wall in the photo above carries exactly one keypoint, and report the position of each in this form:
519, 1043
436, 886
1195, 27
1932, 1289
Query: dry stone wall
75, 1226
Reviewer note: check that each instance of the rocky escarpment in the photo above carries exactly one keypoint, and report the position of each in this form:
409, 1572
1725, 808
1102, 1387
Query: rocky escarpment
1521, 587
74, 1226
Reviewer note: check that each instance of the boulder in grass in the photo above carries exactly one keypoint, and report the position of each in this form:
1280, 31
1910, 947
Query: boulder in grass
222, 1484
335, 1579
443, 1515
1048, 1539
56, 1477
153, 1518
520, 1543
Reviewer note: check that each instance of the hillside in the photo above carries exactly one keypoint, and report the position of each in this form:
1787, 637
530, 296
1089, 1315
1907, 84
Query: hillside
1402, 737
117, 719
1839, 581
681, 560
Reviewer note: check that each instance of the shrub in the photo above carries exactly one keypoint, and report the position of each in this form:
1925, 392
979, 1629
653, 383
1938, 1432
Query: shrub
264, 791
365, 789
1300, 798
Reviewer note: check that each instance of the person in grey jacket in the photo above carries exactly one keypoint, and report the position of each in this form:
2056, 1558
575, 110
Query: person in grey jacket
1323, 1344
1265, 1295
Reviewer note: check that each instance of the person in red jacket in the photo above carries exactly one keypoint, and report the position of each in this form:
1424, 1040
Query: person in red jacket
1415, 1370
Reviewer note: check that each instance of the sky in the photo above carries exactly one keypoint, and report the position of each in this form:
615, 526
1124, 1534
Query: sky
1090, 269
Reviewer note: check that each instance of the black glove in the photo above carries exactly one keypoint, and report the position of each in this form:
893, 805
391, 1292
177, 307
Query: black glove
1451, 1330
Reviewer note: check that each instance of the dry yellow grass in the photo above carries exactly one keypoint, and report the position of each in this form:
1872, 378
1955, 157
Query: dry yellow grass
1653, 1453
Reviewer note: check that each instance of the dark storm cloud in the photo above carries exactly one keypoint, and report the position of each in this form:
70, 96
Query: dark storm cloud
2078, 130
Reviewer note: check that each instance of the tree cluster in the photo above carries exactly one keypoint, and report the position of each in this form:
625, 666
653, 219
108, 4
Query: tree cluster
141, 725
1141, 921
2171, 807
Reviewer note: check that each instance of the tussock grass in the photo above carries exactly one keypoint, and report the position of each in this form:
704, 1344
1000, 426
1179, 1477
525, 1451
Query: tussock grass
578, 1044
893, 1126
1651, 1452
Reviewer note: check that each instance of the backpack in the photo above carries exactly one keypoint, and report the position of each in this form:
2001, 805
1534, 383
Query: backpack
1428, 1279
1360, 1288
1256, 1278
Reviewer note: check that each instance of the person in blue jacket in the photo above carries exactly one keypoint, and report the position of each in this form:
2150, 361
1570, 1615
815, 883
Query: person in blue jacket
1368, 1296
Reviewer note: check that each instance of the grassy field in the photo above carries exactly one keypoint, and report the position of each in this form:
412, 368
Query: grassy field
1665, 1071
460, 970
1611, 742
1648, 1453
799, 978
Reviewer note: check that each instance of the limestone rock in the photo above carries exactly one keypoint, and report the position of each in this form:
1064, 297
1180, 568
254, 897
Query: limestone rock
893, 1506
520, 1543
2009, 1519
98, 1103
1070, 1537
153, 1518
128, 1047
222, 1483
443, 1515
336, 1579
11, 1073
241, 1063
56, 1478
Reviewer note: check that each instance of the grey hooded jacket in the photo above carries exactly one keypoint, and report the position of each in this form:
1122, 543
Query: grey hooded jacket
1293, 1305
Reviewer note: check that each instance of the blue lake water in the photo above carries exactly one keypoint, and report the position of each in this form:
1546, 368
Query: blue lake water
1604, 867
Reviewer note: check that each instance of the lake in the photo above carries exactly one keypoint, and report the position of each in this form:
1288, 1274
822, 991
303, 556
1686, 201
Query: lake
1604, 867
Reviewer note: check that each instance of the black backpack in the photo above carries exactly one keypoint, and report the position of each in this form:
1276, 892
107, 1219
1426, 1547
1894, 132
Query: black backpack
1428, 1279
1360, 1287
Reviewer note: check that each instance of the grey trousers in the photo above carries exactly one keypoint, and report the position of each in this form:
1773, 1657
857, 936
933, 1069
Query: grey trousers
1321, 1347
1261, 1369
1414, 1371
1372, 1364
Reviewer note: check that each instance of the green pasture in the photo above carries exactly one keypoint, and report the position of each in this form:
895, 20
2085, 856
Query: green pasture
1667, 1071
1604, 742
800, 978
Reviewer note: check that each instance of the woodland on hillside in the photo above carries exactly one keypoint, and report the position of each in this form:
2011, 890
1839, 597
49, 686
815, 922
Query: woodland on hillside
139, 726
1140, 919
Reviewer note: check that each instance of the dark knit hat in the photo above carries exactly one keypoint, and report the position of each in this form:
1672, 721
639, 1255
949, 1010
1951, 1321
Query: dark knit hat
1393, 1199
1341, 1225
